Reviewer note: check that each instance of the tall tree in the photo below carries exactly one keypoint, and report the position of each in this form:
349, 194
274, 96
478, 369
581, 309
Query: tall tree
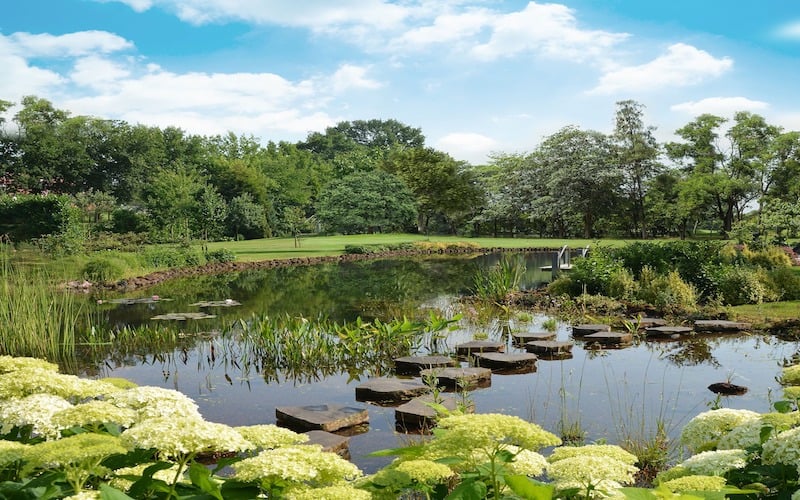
637, 153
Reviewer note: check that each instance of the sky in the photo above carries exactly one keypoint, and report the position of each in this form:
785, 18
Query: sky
478, 77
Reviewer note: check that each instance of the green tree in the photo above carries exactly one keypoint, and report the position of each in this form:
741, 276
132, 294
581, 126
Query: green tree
246, 218
171, 201
364, 202
212, 210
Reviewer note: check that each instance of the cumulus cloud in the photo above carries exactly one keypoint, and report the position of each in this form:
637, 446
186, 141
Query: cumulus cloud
349, 76
721, 106
682, 65
69, 45
18, 77
467, 146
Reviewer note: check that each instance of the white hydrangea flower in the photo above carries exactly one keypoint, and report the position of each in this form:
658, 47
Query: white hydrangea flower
121, 483
84, 495
589, 470
155, 402
267, 436
299, 464
783, 448
180, 437
338, 492
715, 463
595, 450
36, 410
94, 413
526, 462
703, 431
37, 380
11, 364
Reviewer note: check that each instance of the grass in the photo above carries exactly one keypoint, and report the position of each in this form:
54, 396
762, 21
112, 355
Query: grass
767, 312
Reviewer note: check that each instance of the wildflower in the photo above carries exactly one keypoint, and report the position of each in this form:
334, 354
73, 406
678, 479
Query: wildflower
425, 471
299, 464
180, 437
269, 436
11, 451
11, 364
94, 413
337, 492
595, 450
155, 402
591, 472
703, 431
783, 448
36, 410
791, 375
35, 380
716, 463
695, 483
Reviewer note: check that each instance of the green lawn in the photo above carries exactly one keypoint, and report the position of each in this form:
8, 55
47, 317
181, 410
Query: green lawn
283, 248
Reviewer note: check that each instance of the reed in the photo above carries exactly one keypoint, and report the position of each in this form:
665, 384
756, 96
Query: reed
497, 282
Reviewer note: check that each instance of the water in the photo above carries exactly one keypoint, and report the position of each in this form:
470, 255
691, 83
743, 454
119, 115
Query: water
610, 393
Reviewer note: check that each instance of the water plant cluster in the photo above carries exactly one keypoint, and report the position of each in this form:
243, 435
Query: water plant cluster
70, 437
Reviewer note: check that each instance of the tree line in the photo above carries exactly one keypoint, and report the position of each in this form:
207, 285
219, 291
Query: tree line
379, 175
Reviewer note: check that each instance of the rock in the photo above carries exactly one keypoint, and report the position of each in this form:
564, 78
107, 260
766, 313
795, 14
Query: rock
418, 413
667, 331
647, 322
727, 389
479, 346
390, 390
325, 417
608, 339
521, 338
549, 347
412, 365
713, 325
460, 378
507, 363
583, 330
330, 442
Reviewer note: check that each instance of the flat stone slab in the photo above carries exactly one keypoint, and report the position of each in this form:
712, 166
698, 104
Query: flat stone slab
418, 412
646, 322
667, 331
713, 325
605, 339
523, 337
502, 362
324, 417
583, 330
389, 391
412, 365
460, 378
479, 346
330, 442
549, 347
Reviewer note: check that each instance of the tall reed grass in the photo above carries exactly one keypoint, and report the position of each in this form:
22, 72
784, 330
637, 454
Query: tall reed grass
497, 282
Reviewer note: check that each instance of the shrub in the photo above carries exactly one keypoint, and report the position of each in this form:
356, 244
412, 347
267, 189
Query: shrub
770, 258
563, 285
784, 283
621, 285
593, 273
170, 257
128, 220
221, 255
103, 269
668, 292
738, 285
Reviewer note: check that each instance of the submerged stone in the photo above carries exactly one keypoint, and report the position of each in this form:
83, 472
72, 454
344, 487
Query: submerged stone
412, 365
325, 417
549, 347
479, 346
667, 331
713, 325
419, 414
523, 337
330, 442
583, 330
460, 378
390, 390
502, 362
608, 339
647, 322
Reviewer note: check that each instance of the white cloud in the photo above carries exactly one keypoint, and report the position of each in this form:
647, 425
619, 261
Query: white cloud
446, 28
97, 72
789, 30
548, 29
69, 45
682, 65
721, 106
18, 78
349, 77
467, 146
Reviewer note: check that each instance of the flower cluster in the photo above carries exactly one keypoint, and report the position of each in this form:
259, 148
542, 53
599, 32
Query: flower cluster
590, 472
791, 375
695, 483
11, 451
120, 482
783, 448
425, 471
94, 413
300, 464
703, 431
748, 434
715, 463
337, 492
36, 410
10, 364
38, 380
155, 402
269, 436
180, 437
596, 450
80, 449
526, 462
84, 495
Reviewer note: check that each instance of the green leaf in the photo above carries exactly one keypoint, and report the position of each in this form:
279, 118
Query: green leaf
236, 490
201, 477
529, 489
765, 433
783, 406
468, 490
110, 493
638, 493
407, 451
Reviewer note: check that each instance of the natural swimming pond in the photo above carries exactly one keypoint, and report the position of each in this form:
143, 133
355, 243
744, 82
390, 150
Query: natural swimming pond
610, 393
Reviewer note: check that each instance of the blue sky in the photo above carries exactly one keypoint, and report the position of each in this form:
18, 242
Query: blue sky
477, 76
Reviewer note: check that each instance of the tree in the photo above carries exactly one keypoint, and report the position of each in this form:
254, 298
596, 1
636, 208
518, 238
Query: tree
246, 218
636, 151
368, 134
212, 210
366, 202
171, 201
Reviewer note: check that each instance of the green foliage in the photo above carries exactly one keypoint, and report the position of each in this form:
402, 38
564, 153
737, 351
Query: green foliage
25, 217
770, 258
170, 256
103, 269
220, 255
738, 285
370, 249
668, 292
497, 282
593, 274
128, 220
246, 218
784, 283
622, 285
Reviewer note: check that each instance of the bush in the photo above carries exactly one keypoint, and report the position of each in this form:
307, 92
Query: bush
784, 283
622, 286
128, 220
738, 285
103, 269
563, 285
770, 258
221, 255
667, 292
170, 257
593, 273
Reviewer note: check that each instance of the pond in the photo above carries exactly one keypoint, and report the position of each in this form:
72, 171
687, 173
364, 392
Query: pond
610, 394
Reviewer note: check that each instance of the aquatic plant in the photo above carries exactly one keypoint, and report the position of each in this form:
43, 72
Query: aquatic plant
497, 282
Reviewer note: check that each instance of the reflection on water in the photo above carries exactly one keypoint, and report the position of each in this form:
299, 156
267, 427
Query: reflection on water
607, 392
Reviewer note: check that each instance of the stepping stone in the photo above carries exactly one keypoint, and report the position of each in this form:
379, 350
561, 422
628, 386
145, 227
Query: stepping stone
418, 414
330, 442
523, 337
412, 365
608, 339
549, 347
324, 417
646, 322
479, 346
460, 378
727, 389
667, 331
506, 363
713, 325
390, 390
583, 330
